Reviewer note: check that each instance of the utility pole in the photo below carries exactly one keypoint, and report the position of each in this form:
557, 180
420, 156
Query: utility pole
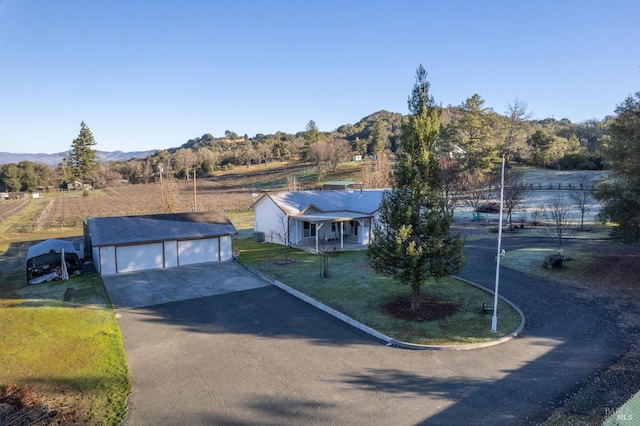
195, 199
161, 169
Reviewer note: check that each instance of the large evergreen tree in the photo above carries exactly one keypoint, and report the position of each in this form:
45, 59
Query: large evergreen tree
620, 195
82, 159
412, 241
472, 132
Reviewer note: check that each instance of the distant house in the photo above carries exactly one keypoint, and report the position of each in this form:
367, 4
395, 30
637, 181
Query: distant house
135, 243
315, 217
80, 185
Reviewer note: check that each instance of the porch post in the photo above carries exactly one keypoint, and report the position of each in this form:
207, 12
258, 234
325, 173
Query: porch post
341, 234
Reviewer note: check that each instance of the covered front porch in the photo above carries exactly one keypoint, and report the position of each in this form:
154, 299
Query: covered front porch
330, 231
309, 245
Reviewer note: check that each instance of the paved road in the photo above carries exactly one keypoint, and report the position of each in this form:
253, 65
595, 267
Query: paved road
260, 356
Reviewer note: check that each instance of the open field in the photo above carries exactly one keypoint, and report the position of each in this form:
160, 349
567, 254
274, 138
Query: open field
232, 192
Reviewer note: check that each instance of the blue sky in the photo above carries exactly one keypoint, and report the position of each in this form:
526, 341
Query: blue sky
154, 74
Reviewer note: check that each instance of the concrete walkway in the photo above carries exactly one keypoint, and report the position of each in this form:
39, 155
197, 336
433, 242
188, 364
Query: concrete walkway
261, 356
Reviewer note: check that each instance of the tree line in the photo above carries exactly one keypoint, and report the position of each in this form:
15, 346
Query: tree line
470, 133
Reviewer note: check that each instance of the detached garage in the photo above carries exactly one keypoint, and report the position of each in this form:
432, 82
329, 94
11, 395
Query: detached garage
135, 243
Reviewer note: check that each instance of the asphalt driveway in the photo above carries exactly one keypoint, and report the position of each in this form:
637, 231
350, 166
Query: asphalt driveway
260, 356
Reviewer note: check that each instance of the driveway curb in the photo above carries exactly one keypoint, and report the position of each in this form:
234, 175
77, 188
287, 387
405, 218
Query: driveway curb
389, 340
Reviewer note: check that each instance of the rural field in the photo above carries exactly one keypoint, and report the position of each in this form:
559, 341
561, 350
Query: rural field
31, 319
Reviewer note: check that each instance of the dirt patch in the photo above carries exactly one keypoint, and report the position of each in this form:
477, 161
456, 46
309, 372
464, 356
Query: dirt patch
284, 261
22, 406
431, 309
618, 268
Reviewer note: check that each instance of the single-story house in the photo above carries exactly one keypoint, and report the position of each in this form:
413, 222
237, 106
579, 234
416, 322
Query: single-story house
134, 243
317, 217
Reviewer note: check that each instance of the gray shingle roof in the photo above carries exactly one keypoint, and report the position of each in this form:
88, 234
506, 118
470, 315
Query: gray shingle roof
118, 230
365, 201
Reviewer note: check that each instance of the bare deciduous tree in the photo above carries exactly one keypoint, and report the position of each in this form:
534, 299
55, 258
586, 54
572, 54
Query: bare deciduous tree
558, 222
454, 183
516, 116
581, 197
282, 234
324, 249
516, 189
339, 151
377, 173
292, 182
476, 189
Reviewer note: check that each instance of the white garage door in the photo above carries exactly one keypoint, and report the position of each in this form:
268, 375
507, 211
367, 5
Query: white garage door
198, 251
139, 257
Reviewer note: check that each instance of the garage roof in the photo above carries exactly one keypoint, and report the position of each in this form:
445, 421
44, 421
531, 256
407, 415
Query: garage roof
119, 230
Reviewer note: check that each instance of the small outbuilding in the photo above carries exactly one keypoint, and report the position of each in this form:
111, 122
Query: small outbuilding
45, 261
135, 243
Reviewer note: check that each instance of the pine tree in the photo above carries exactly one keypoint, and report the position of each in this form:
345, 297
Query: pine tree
82, 158
412, 241
619, 195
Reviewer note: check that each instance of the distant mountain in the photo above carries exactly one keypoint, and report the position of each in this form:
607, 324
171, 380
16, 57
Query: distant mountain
53, 160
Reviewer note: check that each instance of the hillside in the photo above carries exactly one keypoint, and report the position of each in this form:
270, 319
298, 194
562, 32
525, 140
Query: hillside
54, 159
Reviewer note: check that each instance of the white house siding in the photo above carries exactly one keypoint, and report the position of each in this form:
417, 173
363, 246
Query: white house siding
267, 220
226, 248
139, 257
296, 232
198, 251
107, 257
364, 232
170, 253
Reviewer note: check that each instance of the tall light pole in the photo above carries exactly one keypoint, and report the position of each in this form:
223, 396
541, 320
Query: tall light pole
161, 169
494, 319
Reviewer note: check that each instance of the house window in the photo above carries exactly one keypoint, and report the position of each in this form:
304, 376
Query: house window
308, 229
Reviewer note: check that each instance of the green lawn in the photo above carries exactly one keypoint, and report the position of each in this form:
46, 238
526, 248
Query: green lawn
71, 352
357, 291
